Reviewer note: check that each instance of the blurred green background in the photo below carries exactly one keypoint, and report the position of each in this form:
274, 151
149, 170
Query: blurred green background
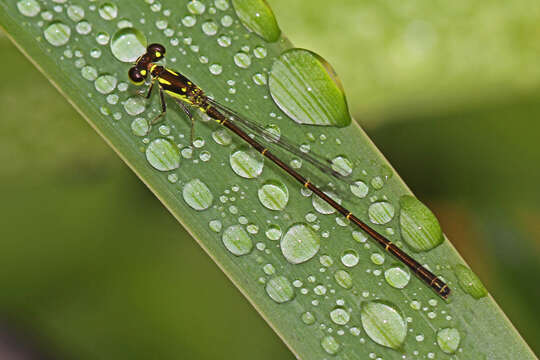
456, 85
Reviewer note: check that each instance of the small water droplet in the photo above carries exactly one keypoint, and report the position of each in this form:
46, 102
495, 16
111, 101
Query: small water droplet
215, 69
105, 84
308, 318
343, 279
197, 195
359, 236
377, 259
448, 340
377, 183
28, 8
260, 52
221, 4
224, 41
89, 73
330, 345
322, 206
83, 27
279, 289
57, 33
242, 60
274, 195
227, 20
247, 163
273, 232
381, 212
196, 7
102, 38
163, 155
108, 11
342, 165
237, 240
259, 79
349, 258
397, 277
222, 137
215, 225
299, 244
209, 28
189, 21
340, 316
383, 324
469, 282
134, 105
75, 13
269, 269
128, 44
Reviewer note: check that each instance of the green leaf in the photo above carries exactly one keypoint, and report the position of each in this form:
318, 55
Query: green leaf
332, 298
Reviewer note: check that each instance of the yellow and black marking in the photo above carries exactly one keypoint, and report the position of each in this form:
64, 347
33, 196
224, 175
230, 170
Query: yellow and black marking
186, 93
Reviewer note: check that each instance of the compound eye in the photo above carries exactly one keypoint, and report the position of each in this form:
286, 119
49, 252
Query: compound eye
136, 76
157, 51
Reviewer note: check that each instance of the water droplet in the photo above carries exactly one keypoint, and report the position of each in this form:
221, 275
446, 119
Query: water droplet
349, 258
247, 163
383, 324
128, 44
134, 105
221, 4
257, 17
320, 290
397, 277
227, 20
237, 240
322, 206
83, 27
420, 229
377, 259
189, 21
381, 212
326, 260
279, 289
269, 269
306, 88
224, 41
308, 318
448, 340
340, 316
210, 28
259, 79
89, 73
273, 232
260, 52
196, 7
163, 155
342, 165
242, 60
105, 84
215, 69
197, 195
359, 236
377, 183
75, 13
343, 279
28, 8
222, 137
330, 345
299, 244
469, 282
108, 11
57, 33
102, 38
274, 195
215, 225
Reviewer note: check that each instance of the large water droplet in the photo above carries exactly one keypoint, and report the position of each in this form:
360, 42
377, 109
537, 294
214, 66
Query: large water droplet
237, 240
247, 163
299, 244
197, 195
381, 212
397, 277
469, 282
128, 44
28, 8
108, 11
257, 16
307, 89
448, 340
163, 155
279, 289
330, 345
419, 227
343, 279
340, 316
383, 324
57, 33
274, 195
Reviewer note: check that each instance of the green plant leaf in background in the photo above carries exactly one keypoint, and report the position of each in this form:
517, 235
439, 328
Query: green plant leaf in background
362, 313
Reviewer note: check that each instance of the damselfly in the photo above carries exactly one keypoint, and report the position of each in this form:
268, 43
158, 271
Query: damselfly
188, 95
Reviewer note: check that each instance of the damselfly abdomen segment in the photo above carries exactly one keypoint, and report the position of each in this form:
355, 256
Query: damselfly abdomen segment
186, 93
